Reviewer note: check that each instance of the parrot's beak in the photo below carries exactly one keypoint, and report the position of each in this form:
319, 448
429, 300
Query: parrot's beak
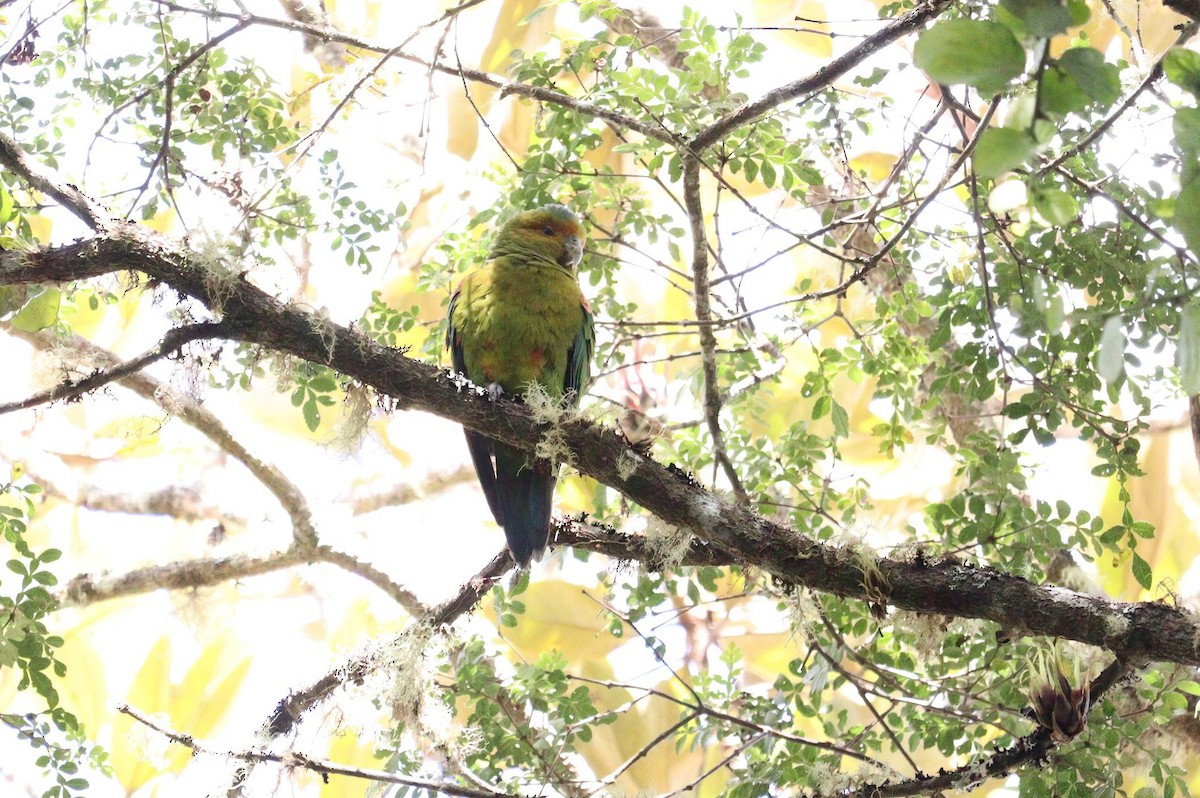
572, 252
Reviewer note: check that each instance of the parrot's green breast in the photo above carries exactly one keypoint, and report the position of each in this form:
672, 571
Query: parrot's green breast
518, 324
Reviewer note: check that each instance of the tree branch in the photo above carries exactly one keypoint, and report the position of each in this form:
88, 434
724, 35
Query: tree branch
297, 760
358, 667
191, 412
1150, 630
180, 502
172, 342
361, 503
823, 77
70, 197
1031, 748
87, 589
708, 341
506, 87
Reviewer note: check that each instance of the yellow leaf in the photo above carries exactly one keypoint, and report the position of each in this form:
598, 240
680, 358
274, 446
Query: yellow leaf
199, 705
807, 15
194, 706
1163, 496
84, 690
85, 320
163, 221
511, 33
662, 768
150, 692
765, 656
559, 616
139, 433
348, 749
1156, 24
517, 129
875, 165
304, 83
40, 226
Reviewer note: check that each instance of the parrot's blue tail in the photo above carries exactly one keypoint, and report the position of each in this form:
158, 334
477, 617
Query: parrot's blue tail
524, 493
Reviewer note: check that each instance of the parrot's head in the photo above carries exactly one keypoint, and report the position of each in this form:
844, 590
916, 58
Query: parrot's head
549, 233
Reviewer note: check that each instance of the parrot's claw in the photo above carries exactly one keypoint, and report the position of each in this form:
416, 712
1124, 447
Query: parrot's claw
494, 391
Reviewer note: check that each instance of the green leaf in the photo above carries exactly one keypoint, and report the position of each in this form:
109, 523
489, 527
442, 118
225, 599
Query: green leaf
1191, 688
39, 312
1187, 354
6, 207
1182, 67
1110, 356
49, 555
978, 53
1059, 94
821, 406
312, 416
768, 174
1143, 529
12, 297
323, 384
841, 421
1141, 571
877, 75
1187, 214
1056, 206
1042, 18
1080, 13
1001, 150
1113, 534
1016, 410
1187, 129
1099, 80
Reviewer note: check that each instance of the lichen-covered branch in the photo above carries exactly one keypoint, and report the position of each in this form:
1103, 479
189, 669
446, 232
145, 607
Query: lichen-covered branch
358, 667
171, 343
1147, 630
86, 589
194, 414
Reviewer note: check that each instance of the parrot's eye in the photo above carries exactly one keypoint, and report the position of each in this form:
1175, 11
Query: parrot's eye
548, 230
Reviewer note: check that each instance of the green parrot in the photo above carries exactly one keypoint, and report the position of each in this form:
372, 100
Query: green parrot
522, 319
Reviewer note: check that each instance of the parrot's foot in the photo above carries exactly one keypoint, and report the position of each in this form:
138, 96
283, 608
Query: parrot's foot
494, 391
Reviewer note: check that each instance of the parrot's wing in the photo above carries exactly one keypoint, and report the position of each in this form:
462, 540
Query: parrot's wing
579, 357
479, 446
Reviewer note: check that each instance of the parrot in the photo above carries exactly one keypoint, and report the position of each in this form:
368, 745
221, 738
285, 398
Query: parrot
522, 319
